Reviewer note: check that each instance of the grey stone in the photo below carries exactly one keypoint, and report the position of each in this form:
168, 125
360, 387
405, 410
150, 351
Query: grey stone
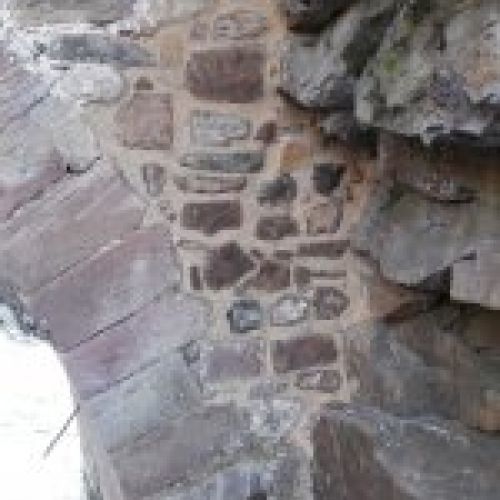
234, 162
283, 189
326, 249
209, 128
410, 459
322, 380
245, 315
272, 276
97, 48
240, 24
154, 177
327, 177
203, 184
325, 217
88, 83
289, 310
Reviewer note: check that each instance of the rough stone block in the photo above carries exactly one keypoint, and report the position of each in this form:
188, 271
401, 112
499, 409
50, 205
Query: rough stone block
276, 228
289, 310
209, 128
326, 249
281, 190
234, 162
240, 24
227, 75
147, 121
212, 216
322, 380
330, 303
303, 352
272, 276
325, 218
245, 315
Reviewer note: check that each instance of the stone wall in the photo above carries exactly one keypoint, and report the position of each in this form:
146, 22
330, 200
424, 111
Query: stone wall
214, 262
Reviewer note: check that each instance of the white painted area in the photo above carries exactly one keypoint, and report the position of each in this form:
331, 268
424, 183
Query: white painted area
35, 402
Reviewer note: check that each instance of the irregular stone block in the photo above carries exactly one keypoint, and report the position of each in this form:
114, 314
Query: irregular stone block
154, 177
97, 48
240, 24
244, 316
295, 153
311, 15
91, 83
276, 228
326, 249
303, 352
147, 121
212, 216
330, 303
234, 162
226, 265
111, 286
322, 380
209, 128
283, 189
327, 178
202, 184
267, 132
272, 276
227, 75
289, 310
325, 218
403, 459
234, 360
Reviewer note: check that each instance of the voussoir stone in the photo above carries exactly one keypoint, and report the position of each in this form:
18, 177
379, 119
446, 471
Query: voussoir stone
146, 121
109, 287
227, 74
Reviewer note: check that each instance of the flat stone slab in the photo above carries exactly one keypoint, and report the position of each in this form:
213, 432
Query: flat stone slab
67, 226
106, 289
163, 326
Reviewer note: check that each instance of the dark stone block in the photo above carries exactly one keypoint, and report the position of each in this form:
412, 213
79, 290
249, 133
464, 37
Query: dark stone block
244, 316
280, 190
154, 177
327, 177
303, 352
227, 75
272, 276
327, 249
330, 303
325, 218
276, 228
226, 265
212, 216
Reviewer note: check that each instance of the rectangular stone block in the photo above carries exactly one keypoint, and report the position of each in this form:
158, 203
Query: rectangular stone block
303, 352
228, 74
234, 162
212, 216
209, 128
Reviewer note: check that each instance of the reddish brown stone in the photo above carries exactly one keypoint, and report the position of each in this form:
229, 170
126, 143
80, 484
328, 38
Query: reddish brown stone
303, 352
272, 276
228, 74
146, 121
276, 228
212, 217
327, 249
330, 303
225, 361
226, 265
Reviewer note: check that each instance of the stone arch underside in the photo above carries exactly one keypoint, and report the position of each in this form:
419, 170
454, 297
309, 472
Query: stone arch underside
92, 258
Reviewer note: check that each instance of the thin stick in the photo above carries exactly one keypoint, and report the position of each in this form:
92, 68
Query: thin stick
61, 433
